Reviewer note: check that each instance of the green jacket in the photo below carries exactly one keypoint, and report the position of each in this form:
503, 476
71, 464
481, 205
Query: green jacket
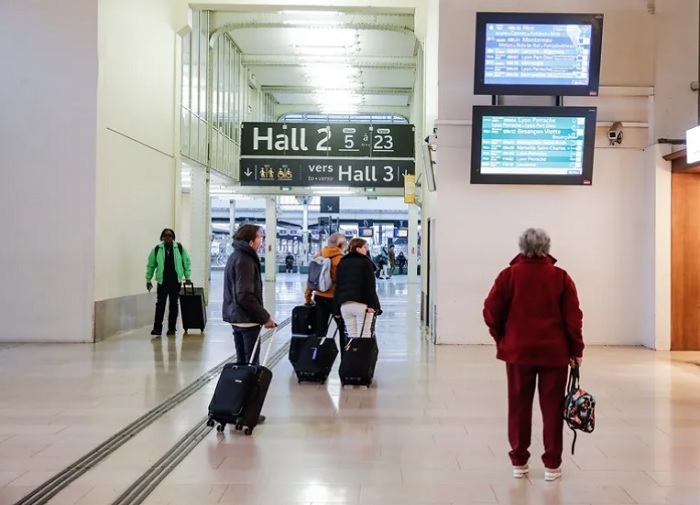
156, 263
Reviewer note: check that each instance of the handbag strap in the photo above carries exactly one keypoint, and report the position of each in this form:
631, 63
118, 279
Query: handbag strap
574, 379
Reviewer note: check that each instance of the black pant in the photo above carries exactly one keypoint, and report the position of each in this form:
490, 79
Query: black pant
324, 311
164, 292
245, 338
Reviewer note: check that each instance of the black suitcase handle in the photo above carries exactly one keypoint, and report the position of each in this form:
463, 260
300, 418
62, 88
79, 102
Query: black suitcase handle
191, 286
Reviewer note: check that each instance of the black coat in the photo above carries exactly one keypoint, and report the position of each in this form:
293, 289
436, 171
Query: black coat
355, 282
243, 291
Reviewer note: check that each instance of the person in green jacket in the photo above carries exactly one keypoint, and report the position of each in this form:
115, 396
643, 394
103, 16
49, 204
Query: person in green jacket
171, 264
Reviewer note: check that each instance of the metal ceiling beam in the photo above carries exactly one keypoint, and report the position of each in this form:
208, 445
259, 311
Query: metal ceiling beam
229, 27
360, 91
281, 60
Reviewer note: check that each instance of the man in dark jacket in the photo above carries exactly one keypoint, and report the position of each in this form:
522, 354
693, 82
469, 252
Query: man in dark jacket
243, 293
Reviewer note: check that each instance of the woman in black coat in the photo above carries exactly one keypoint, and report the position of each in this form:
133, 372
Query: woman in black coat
356, 290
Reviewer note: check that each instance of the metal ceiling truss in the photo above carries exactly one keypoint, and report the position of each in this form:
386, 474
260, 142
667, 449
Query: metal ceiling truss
311, 90
272, 60
229, 27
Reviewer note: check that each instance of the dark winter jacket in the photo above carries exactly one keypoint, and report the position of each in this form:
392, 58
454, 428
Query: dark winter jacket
243, 291
533, 314
355, 282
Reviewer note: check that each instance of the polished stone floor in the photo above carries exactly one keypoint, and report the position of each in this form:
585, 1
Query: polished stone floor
430, 431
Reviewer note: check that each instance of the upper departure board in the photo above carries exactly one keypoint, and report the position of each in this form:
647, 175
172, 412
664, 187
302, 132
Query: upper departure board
538, 54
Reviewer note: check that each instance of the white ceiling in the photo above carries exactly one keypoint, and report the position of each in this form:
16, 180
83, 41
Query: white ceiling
320, 61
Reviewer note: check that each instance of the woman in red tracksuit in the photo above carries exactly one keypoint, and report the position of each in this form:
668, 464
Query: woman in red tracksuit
533, 315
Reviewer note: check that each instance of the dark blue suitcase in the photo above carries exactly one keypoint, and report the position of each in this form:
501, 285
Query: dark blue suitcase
316, 359
359, 360
240, 394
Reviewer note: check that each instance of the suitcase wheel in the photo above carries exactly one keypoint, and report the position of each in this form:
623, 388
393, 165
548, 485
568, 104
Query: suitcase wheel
238, 427
210, 423
248, 431
220, 428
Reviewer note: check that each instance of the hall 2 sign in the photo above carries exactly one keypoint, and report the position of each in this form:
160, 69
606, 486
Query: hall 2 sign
334, 140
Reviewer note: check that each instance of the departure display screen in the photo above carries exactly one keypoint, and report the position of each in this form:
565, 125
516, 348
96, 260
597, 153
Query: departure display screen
532, 145
536, 54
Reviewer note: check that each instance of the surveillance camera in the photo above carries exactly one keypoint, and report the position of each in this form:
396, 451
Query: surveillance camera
615, 133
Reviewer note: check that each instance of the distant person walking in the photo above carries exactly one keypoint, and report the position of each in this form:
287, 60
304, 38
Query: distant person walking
401, 262
392, 260
170, 263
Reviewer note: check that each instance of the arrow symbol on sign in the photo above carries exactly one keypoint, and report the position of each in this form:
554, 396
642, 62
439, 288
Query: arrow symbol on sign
248, 173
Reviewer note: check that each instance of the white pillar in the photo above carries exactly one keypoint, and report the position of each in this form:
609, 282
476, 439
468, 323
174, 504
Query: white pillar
305, 234
232, 218
271, 238
412, 244
199, 227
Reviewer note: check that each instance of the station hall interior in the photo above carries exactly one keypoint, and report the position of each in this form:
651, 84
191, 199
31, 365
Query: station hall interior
392, 122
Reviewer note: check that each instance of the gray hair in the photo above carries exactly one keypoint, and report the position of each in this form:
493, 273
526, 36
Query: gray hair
336, 239
534, 242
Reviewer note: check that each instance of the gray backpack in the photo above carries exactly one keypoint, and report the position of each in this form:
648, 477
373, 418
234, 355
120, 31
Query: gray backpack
320, 275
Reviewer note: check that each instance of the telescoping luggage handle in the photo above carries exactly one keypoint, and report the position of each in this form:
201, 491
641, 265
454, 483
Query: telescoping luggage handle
364, 321
269, 346
185, 285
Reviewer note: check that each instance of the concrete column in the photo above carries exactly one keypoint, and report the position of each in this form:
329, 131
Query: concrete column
271, 238
305, 234
413, 244
232, 218
199, 227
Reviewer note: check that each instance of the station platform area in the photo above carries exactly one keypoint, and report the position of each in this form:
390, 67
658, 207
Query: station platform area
123, 421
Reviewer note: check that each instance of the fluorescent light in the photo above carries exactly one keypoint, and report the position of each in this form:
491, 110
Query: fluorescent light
310, 13
304, 22
335, 192
326, 51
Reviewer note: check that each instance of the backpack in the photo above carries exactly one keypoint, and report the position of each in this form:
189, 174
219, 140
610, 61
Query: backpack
579, 407
179, 246
320, 275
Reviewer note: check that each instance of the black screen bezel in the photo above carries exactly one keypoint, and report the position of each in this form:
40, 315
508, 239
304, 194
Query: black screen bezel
591, 89
585, 179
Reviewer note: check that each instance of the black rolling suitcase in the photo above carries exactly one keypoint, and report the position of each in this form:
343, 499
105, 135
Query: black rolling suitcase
192, 307
240, 394
316, 359
359, 360
303, 326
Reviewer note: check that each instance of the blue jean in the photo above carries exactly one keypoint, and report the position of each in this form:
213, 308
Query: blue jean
245, 339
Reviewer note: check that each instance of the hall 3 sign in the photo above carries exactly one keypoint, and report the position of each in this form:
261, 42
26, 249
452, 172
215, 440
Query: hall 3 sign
324, 172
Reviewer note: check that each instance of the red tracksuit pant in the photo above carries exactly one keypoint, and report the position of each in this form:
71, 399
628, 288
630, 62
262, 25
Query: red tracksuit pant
551, 387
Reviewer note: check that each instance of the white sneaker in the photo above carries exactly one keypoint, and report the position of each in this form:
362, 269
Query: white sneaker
551, 475
520, 471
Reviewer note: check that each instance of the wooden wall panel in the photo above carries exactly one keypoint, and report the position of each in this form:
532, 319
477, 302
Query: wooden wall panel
685, 262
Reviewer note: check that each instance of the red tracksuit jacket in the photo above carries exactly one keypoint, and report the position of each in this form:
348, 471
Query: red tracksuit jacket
533, 314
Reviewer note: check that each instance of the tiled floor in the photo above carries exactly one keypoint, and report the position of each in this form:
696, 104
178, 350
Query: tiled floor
431, 430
